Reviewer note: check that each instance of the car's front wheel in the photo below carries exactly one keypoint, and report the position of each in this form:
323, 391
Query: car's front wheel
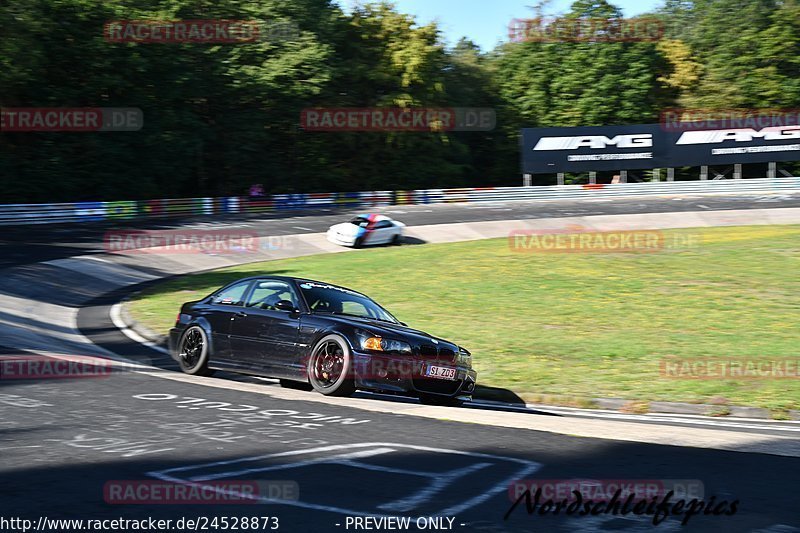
193, 352
330, 367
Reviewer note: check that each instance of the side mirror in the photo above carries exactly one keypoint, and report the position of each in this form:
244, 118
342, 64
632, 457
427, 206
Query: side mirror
285, 305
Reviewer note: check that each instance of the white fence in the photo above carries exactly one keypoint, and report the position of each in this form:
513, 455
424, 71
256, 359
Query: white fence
21, 214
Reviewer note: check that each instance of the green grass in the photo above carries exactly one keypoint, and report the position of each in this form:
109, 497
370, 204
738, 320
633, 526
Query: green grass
578, 325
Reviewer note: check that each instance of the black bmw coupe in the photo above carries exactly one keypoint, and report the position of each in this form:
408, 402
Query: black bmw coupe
317, 335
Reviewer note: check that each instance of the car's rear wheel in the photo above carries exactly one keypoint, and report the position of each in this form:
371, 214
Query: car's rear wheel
193, 352
435, 399
330, 367
397, 239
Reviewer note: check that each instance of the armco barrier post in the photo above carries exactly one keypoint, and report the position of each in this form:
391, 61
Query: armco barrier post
90, 211
205, 206
152, 208
357, 199
232, 204
122, 209
321, 199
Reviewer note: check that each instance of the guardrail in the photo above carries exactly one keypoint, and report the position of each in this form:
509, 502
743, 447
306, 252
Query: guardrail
22, 214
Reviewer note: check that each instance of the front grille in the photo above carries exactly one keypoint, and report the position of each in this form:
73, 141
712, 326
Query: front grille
435, 354
446, 353
436, 386
426, 350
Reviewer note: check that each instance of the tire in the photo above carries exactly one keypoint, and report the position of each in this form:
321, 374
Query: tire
330, 367
193, 352
296, 385
397, 240
434, 399
358, 243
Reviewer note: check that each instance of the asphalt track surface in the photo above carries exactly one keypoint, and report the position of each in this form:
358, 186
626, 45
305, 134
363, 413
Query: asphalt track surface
63, 441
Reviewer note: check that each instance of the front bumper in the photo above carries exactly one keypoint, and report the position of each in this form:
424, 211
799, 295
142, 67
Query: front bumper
336, 238
406, 374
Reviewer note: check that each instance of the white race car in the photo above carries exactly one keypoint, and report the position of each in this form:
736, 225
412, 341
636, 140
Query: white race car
366, 230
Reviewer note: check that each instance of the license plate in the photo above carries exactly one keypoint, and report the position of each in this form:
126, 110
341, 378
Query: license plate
441, 372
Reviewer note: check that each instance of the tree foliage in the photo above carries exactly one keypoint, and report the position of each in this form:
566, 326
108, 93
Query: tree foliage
219, 117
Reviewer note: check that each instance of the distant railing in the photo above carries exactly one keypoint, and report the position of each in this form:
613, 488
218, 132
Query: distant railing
21, 214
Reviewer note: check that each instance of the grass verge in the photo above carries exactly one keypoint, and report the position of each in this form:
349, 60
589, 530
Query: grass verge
575, 324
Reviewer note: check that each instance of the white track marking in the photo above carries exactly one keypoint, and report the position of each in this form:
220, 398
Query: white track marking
116, 318
694, 421
651, 417
378, 448
335, 459
93, 258
440, 480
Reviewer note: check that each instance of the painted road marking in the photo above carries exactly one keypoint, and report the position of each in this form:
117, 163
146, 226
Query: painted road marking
116, 318
345, 458
452, 466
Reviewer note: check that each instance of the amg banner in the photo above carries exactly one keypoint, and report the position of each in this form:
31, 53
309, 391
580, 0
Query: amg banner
584, 149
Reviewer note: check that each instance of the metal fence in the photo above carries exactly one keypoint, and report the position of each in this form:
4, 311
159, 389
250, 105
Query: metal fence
20, 214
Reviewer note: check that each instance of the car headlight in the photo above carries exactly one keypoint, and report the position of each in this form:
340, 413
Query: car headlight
464, 357
378, 344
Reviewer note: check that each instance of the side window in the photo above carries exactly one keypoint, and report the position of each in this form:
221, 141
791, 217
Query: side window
383, 224
233, 295
268, 293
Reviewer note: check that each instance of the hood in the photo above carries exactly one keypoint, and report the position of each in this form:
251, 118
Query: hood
348, 229
422, 344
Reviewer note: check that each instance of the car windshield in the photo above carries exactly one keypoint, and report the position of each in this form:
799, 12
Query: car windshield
360, 221
324, 298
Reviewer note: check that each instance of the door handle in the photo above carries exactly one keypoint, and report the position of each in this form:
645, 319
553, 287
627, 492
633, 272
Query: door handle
241, 314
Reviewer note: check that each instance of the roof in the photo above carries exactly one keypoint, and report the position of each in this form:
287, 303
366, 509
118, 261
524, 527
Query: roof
292, 278
373, 217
